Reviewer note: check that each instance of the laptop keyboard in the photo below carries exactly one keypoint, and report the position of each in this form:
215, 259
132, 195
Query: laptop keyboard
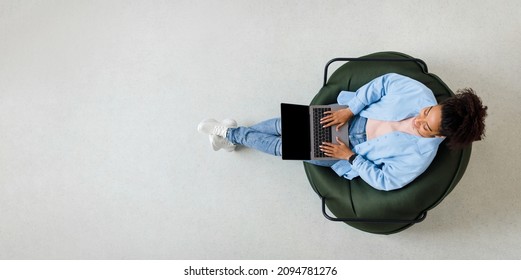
320, 134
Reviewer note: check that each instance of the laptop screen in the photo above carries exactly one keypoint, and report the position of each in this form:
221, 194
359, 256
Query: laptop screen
296, 143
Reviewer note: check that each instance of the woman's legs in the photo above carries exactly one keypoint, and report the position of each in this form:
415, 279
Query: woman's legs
264, 136
271, 126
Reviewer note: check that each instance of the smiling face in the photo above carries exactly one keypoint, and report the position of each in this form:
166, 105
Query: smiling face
428, 122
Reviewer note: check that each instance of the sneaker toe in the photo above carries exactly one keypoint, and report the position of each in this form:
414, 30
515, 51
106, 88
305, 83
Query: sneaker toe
206, 125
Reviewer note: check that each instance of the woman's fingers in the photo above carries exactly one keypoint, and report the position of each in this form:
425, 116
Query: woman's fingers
326, 119
339, 150
328, 124
329, 120
329, 147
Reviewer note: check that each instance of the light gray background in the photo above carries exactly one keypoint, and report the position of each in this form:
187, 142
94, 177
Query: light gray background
100, 100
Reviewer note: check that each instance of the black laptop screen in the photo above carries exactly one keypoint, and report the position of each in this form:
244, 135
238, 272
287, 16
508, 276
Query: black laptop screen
296, 142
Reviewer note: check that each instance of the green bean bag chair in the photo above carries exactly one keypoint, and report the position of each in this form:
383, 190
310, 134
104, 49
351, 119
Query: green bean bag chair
355, 202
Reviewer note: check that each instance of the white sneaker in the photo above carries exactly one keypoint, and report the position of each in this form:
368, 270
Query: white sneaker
217, 141
212, 127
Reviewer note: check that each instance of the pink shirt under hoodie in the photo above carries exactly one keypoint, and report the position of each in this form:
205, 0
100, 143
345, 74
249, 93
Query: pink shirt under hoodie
376, 128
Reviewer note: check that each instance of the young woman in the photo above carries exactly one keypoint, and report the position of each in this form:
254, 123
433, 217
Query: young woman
395, 128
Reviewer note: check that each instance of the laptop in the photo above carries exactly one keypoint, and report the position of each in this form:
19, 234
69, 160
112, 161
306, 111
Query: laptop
302, 133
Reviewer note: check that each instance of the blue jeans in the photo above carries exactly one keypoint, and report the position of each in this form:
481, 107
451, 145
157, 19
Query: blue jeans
266, 137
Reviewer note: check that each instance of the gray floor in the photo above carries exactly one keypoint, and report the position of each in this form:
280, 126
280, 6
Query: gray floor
99, 103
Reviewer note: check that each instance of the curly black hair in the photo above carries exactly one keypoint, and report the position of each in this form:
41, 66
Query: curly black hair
463, 119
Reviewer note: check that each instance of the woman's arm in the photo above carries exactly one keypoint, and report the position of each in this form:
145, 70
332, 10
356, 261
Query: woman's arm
394, 173
368, 94
371, 92
375, 90
388, 176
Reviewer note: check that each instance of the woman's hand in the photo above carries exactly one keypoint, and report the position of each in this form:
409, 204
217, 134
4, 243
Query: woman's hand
340, 150
338, 118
